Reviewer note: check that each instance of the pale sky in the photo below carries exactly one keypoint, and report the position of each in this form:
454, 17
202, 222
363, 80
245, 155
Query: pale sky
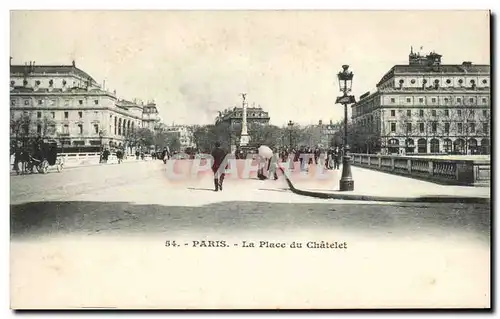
195, 63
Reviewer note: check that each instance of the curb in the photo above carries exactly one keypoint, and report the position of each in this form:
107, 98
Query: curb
13, 173
97, 164
426, 199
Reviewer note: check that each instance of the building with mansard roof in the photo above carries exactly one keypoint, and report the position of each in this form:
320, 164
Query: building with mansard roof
235, 116
426, 107
66, 104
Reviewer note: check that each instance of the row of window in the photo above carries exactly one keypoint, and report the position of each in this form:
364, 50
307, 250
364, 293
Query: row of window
38, 82
446, 113
448, 81
434, 127
446, 100
27, 102
66, 115
51, 129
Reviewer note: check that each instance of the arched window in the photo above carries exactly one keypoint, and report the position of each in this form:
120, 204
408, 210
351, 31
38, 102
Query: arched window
115, 127
485, 146
422, 145
434, 145
409, 145
393, 146
473, 146
447, 145
459, 146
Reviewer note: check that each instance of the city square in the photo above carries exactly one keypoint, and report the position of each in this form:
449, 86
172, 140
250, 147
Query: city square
210, 192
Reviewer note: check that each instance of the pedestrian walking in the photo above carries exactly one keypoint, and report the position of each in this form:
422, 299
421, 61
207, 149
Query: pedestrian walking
336, 159
317, 154
272, 166
164, 155
329, 161
218, 156
119, 156
105, 156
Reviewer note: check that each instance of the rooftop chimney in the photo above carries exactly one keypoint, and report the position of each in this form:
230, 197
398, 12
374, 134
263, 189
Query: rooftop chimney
467, 63
73, 63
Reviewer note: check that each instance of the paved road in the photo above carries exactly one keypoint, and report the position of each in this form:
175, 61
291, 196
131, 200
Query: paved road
101, 231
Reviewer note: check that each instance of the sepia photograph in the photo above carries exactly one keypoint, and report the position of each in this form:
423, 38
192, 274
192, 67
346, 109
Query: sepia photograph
250, 159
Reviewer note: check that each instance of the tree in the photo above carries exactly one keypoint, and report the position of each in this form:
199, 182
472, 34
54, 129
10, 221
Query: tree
160, 138
24, 129
141, 137
263, 134
174, 144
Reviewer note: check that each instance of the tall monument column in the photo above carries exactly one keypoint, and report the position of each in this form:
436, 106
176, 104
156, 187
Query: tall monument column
244, 139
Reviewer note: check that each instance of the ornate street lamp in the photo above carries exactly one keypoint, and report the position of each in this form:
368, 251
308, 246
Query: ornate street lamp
290, 127
345, 84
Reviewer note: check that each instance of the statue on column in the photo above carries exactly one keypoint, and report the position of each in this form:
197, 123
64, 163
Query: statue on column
244, 139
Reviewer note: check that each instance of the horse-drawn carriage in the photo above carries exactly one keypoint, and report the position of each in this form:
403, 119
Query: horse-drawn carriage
42, 158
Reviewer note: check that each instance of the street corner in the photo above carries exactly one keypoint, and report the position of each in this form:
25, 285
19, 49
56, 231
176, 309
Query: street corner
310, 174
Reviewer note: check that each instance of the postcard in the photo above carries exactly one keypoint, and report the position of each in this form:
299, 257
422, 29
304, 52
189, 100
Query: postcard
250, 159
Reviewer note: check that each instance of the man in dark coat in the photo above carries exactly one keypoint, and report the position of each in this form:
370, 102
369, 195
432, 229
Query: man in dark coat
164, 155
105, 155
119, 156
336, 158
218, 155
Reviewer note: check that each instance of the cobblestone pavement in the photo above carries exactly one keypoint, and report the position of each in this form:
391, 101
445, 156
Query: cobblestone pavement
101, 231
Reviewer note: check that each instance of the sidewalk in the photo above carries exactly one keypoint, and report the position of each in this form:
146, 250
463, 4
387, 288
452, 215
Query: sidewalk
87, 163
379, 186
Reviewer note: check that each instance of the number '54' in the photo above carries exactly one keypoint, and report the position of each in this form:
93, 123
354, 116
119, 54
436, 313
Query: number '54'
170, 243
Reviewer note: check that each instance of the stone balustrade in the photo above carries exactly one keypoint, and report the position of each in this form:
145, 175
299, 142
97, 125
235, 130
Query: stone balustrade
470, 172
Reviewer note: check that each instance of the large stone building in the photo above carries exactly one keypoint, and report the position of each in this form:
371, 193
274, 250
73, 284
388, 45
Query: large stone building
233, 119
234, 116
426, 107
65, 103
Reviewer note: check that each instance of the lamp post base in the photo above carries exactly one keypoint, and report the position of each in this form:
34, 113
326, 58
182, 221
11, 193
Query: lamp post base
346, 185
346, 182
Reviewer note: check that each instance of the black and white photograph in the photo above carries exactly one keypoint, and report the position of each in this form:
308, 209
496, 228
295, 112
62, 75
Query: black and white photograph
250, 159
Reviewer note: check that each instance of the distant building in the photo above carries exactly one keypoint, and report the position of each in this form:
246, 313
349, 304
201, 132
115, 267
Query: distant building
183, 133
426, 107
256, 116
235, 116
328, 131
65, 103
320, 134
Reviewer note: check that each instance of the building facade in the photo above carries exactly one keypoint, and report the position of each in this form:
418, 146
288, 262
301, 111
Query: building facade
184, 134
426, 107
66, 104
233, 117
233, 120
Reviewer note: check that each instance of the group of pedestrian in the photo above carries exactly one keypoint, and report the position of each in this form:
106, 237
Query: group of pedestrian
334, 157
305, 155
104, 156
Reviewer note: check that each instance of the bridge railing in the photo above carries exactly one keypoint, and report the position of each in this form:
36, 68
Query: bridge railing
470, 172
